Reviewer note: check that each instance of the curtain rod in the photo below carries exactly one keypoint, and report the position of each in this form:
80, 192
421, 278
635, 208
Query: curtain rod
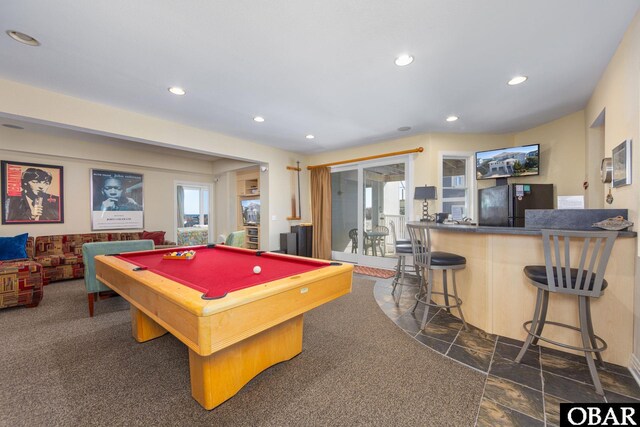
361, 159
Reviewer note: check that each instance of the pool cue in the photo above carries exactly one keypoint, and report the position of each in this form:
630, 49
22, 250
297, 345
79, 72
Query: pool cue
299, 206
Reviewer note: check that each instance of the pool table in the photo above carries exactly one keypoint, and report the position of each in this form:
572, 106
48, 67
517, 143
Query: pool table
236, 323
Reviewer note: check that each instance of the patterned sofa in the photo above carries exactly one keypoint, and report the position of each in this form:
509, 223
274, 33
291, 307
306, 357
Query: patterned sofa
21, 281
61, 255
192, 236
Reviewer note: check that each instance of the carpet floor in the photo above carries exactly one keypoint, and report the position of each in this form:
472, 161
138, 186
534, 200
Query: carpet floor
60, 367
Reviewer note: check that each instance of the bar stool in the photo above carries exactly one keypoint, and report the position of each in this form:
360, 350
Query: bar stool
559, 277
428, 261
397, 241
402, 249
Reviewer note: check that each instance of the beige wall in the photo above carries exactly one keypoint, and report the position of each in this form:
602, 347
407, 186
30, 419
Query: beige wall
36, 105
559, 140
562, 153
618, 95
78, 155
425, 163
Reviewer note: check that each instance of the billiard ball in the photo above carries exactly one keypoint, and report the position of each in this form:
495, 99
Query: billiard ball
257, 269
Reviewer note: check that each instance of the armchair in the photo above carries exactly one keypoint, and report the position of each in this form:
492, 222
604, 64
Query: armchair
235, 238
21, 279
90, 250
21, 283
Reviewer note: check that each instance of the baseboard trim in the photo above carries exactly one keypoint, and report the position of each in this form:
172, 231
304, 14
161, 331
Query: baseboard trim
634, 368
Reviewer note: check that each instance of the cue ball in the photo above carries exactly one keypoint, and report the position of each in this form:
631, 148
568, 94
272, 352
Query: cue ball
257, 269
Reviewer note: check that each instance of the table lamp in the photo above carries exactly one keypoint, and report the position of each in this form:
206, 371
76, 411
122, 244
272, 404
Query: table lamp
426, 193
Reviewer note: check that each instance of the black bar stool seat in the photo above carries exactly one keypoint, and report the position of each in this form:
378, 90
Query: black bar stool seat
443, 259
538, 275
403, 249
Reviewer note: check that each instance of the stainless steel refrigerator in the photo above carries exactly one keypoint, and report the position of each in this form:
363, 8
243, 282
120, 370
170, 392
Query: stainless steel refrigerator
504, 205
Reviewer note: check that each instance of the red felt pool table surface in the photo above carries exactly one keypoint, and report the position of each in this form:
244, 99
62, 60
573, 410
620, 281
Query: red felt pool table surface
219, 269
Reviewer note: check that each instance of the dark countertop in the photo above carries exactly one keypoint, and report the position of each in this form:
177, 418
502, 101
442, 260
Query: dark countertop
520, 231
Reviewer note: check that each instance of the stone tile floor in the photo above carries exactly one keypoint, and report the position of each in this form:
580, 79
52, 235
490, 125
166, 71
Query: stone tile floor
525, 394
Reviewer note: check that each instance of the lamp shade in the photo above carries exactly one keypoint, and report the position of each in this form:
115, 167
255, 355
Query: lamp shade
425, 193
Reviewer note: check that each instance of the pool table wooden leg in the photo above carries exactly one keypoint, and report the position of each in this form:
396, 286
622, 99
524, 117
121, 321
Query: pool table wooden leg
143, 327
219, 376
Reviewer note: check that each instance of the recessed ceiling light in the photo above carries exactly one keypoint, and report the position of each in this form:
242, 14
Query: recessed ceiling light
404, 128
309, 136
258, 119
177, 90
517, 80
403, 60
452, 118
23, 38
7, 125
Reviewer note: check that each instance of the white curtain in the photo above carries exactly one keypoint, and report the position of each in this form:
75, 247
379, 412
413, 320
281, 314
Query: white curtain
180, 191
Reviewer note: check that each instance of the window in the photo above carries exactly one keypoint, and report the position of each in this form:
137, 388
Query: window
456, 184
193, 224
196, 206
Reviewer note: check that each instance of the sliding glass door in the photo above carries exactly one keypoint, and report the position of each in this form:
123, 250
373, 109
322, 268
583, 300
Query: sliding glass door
369, 199
344, 214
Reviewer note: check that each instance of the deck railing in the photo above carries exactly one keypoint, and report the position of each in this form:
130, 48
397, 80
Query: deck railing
400, 223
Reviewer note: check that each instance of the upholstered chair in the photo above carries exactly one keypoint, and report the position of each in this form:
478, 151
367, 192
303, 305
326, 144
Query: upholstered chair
235, 238
90, 250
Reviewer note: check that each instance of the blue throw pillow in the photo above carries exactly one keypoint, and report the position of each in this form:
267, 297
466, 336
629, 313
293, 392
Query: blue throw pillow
13, 247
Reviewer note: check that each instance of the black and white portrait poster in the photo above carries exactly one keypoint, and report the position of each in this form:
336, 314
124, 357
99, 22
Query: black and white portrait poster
117, 200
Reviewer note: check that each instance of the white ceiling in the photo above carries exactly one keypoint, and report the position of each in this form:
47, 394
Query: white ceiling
323, 67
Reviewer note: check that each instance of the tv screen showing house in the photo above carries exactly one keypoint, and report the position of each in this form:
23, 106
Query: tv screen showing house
250, 212
508, 162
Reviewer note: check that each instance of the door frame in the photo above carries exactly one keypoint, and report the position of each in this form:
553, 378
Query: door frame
209, 186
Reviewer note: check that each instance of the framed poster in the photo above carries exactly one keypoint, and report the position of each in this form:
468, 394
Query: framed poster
31, 193
116, 200
621, 158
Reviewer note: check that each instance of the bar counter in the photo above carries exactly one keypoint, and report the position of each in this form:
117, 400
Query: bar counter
521, 231
498, 298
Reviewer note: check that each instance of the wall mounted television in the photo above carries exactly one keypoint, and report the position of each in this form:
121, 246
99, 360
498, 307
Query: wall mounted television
250, 211
508, 162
